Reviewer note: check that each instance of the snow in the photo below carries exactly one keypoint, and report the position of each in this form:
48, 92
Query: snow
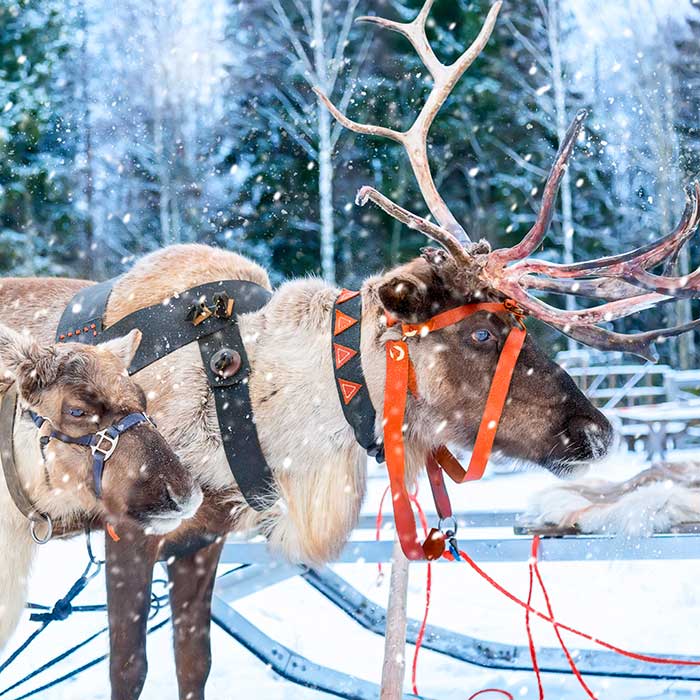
645, 606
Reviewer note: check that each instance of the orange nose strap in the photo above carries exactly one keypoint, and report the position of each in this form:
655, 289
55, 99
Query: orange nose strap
400, 378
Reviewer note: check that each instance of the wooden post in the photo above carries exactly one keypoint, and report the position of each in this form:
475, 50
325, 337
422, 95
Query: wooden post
395, 640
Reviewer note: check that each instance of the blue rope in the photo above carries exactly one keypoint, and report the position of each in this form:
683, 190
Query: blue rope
77, 671
52, 662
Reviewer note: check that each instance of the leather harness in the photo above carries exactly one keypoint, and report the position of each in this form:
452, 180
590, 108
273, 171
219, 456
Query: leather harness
400, 379
206, 314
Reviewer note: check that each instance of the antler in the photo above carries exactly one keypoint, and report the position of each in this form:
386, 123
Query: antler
415, 139
626, 282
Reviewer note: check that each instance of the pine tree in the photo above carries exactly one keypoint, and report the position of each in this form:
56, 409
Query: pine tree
37, 147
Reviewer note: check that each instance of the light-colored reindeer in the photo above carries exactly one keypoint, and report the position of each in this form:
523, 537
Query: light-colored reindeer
318, 467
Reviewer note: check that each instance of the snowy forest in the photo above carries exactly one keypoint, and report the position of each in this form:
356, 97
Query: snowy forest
129, 126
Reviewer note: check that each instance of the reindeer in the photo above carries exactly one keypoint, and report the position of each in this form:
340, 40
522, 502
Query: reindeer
319, 469
75, 390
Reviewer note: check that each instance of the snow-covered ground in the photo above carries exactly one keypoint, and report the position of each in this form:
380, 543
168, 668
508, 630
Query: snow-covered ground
649, 606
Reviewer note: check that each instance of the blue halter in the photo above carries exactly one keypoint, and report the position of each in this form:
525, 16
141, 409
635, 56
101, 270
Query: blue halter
102, 442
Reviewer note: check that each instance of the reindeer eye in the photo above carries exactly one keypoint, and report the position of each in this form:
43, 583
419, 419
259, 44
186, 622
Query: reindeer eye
481, 335
76, 412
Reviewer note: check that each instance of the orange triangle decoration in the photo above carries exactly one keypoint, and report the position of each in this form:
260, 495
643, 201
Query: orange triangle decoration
345, 295
348, 389
342, 322
342, 354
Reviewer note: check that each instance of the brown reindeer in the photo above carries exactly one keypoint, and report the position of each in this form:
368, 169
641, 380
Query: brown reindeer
318, 467
73, 391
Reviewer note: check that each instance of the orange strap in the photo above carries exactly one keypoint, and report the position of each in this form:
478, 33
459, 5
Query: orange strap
400, 377
490, 418
448, 318
395, 394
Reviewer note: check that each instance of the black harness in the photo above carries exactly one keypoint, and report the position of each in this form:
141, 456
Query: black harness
346, 333
206, 314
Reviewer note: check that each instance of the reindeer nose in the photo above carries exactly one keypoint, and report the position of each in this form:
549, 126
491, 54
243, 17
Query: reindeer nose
593, 433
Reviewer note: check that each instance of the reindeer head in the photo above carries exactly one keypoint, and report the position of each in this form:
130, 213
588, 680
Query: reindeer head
79, 390
546, 418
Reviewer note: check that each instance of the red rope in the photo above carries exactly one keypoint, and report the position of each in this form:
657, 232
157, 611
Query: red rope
424, 622
534, 567
548, 618
530, 640
428, 590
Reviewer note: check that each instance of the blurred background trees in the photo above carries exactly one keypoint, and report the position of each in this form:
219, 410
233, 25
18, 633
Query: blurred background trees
128, 126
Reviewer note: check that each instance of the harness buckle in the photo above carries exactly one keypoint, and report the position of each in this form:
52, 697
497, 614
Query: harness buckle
106, 452
448, 526
516, 311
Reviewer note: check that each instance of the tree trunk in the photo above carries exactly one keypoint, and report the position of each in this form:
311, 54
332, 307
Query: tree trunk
325, 162
394, 666
93, 259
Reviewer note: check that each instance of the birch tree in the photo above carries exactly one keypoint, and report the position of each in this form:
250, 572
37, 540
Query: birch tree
315, 37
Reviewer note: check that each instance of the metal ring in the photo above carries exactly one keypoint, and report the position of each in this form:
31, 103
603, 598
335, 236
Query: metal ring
34, 521
449, 520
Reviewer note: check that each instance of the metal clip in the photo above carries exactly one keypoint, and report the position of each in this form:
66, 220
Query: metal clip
223, 305
198, 313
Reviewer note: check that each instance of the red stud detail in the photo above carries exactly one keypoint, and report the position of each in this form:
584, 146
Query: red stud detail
86, 329
70, 334
346, 295
342, 354
348, 389
94, 333
61, 337
93, 326
77, 332
342, 322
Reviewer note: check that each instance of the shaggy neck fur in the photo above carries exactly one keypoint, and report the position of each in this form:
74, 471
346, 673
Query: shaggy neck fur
319, 466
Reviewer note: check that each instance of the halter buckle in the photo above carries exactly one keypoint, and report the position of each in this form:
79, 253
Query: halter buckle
106, 452
516, 311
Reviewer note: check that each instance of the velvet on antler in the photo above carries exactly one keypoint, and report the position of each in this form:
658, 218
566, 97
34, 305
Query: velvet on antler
626, 283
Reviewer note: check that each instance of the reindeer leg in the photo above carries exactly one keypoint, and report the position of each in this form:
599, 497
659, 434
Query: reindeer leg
192, 584
129, 572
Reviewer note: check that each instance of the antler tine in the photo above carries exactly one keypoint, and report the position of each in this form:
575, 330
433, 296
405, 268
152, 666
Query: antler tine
597, 288
581, 324
414, 140
624, 280
415, 32
646, 256
641, 344
436, 233
537, 233
358, 127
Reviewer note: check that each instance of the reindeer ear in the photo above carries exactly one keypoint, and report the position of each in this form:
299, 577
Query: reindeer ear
125, 347
22, 358
405, 297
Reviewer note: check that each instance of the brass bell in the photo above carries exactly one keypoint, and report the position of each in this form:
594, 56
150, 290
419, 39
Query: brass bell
225, 362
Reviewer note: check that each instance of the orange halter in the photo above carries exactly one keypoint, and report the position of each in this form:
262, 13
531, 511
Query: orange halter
400, 378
